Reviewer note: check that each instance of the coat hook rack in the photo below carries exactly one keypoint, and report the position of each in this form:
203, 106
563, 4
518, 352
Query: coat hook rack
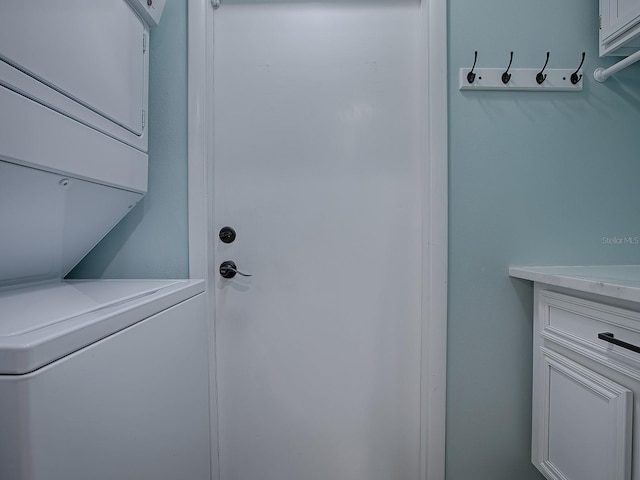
522, 79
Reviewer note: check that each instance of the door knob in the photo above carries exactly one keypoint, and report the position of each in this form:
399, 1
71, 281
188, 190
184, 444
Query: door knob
228, 269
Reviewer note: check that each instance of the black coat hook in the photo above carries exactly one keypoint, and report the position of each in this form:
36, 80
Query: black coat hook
471, 77
574, 76
541, 76
506, 76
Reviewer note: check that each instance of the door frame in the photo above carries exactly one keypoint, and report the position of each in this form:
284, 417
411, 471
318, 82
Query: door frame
434, 214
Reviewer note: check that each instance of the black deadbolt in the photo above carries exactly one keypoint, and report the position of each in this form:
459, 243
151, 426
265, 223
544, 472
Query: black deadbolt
227, 234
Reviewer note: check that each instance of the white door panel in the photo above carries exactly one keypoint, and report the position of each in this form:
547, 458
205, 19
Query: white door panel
317, 166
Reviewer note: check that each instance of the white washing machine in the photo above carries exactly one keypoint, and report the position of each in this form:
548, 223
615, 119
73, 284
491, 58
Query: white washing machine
99, 379
104, 380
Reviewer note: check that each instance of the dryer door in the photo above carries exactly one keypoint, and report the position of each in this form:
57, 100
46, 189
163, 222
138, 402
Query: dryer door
92, 52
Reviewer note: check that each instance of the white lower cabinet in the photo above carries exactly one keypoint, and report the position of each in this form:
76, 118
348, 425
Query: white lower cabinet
585, 388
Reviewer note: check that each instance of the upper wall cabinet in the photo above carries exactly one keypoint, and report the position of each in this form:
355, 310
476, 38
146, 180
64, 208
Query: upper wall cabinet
619, 27
91, 56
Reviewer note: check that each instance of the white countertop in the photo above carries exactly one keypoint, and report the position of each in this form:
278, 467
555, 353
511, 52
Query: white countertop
615, 281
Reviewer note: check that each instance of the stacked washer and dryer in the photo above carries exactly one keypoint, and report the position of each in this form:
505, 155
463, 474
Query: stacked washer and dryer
99, 379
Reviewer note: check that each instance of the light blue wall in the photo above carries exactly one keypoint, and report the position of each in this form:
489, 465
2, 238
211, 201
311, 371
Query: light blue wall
152, 241
535, 178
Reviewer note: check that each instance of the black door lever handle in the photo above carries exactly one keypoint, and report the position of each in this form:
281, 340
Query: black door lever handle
228, 269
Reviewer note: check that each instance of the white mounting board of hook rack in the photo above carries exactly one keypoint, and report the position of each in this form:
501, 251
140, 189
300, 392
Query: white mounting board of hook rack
522, 79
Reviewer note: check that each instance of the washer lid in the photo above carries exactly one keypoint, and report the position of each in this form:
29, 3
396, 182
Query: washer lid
40, 324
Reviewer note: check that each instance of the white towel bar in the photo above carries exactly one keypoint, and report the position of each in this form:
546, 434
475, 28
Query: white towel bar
601, 74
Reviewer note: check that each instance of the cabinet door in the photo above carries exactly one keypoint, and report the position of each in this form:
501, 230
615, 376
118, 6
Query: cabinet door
618, 16
90, 51
584, 423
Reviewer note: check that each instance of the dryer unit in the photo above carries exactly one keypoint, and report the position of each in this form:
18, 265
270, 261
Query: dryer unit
100, 379
73, 137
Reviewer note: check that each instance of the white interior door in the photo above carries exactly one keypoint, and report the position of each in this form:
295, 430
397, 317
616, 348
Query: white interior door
317, 166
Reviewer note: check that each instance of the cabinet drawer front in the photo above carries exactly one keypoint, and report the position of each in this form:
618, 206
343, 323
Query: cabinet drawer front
576, 323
